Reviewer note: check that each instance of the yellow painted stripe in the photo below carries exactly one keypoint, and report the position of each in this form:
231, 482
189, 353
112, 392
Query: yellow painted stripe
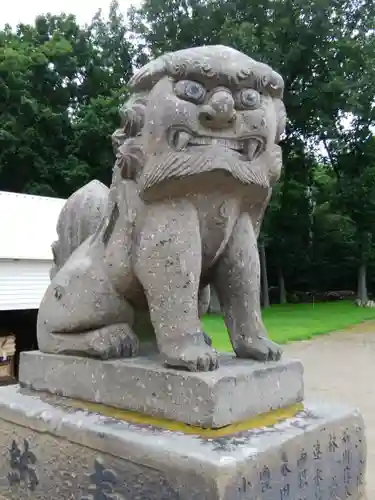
264, 420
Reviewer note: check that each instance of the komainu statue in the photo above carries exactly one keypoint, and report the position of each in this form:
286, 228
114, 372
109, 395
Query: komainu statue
196, 156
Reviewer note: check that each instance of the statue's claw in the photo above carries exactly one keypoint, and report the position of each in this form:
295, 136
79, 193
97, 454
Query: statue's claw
118, 341
193, 354
259, 348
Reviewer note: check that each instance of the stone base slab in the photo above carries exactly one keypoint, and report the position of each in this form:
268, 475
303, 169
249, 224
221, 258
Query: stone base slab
238, 390
51, 451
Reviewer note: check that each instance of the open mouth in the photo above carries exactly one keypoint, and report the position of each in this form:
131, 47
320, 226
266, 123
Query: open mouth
250, 147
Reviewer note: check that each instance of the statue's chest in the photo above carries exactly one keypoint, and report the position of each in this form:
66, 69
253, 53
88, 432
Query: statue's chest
218, 215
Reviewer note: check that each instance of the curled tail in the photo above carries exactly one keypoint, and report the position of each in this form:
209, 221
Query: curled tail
79, 218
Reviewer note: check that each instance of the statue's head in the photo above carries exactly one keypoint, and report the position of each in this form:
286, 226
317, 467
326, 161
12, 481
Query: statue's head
203, 109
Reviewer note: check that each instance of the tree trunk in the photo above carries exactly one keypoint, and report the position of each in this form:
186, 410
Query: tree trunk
364, 247
282, 286
362, 284
263, 274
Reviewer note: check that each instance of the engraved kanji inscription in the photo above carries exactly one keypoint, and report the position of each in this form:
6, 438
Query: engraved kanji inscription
285, 468
332, 442
317, 480
333, 489
245, 489
245, 486
22, 463
347, 462
265, 479
345, 437
102, 484
285, 492
285, 472
317, 451
302, 471
347, 457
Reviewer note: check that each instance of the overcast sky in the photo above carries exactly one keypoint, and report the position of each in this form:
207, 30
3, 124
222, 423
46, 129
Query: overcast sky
16, 11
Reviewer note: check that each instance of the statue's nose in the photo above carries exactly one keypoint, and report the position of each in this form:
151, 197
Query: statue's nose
219, 112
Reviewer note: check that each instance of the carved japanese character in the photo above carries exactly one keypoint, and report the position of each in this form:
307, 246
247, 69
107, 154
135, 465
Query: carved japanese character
332, 444
21, 463
317, 451
333, 488
345, 437
285, 492
301, 462
246, 485
347, 457
103, 482
303, 479
285, 470
318, 478
265, 479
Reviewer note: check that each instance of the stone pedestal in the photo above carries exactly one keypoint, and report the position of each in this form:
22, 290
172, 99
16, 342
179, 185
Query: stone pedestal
239, 390
52, 450
133, 430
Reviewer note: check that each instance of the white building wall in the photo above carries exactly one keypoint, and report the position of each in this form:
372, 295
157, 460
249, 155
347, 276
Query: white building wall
27, 230
28, 225
23, 283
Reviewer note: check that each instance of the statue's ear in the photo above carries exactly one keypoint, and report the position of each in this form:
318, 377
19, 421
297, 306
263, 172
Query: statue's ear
132, 115
130, 159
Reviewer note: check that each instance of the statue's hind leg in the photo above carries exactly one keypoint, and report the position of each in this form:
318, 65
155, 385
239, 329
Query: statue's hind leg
81, 314
113, 341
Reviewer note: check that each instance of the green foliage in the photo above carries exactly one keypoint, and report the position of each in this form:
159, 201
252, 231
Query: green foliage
325, 51
61, 85
60, 88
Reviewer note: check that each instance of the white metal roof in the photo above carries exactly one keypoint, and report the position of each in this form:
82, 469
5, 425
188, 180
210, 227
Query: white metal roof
28, 225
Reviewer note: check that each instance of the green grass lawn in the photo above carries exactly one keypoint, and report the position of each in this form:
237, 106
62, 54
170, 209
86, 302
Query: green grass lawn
292, 322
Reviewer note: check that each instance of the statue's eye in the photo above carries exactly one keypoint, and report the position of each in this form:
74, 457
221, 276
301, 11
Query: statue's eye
190, 91
248, 99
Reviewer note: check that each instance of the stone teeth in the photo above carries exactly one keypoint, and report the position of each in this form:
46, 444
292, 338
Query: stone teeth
201, 140
233, 144
252, 147
182, 140
179, 139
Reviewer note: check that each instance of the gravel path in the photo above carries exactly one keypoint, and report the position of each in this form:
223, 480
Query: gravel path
341, 367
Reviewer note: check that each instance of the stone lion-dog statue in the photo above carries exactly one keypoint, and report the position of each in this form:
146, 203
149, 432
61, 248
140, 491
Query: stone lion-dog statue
196, 157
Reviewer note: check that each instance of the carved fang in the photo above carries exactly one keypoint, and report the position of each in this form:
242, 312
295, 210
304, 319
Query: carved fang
178, 139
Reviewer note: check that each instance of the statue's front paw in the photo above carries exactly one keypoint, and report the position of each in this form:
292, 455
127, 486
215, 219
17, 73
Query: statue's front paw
192, 355
115, 341
259, 348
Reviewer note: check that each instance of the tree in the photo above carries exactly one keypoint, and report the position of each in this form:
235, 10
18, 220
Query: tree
356, 198
323, 48
61, 86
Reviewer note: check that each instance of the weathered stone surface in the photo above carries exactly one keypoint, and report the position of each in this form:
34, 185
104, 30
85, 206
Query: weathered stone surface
238, 390
197, 154
53, 452
80, 217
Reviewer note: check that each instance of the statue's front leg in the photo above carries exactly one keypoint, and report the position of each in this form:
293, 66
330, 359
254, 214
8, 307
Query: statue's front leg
168, 264
237, 280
